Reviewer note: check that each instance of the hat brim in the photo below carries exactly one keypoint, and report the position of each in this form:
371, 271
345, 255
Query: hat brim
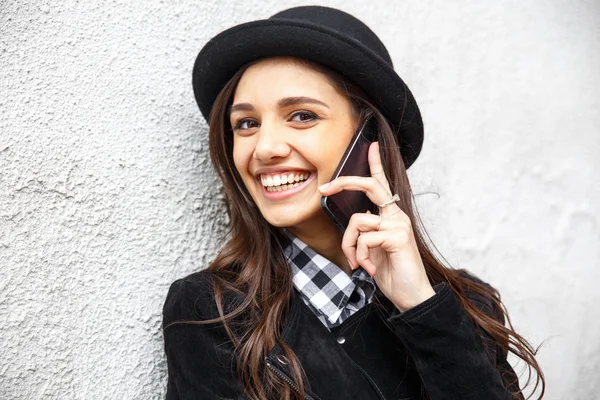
225, 53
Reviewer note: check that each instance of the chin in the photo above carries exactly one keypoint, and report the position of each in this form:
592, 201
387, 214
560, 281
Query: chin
282, 217
287, 219
284, 221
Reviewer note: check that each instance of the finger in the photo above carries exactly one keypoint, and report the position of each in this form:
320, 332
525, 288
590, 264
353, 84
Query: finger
362, 257
369, 185
359, 224
366, 242
376, 167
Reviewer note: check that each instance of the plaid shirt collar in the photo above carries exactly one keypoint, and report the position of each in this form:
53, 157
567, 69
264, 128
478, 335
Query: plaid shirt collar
323, 283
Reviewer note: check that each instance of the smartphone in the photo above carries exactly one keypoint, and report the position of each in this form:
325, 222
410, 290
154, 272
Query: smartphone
355, 162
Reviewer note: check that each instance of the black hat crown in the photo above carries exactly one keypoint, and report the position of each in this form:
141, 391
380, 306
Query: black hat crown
339, 21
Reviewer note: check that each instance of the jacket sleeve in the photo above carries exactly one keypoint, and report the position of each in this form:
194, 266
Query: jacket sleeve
200, 362
453, 361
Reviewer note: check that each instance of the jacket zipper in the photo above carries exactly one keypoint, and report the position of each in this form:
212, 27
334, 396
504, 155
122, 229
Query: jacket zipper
285, 378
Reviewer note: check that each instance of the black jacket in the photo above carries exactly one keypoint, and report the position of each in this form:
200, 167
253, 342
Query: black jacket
432, 348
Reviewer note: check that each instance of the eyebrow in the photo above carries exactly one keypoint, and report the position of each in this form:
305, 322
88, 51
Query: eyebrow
282, 103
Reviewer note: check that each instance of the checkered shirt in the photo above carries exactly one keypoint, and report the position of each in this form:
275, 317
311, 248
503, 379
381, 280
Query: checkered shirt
324, 287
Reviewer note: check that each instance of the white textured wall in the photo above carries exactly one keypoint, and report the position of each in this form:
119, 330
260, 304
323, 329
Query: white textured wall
106, 192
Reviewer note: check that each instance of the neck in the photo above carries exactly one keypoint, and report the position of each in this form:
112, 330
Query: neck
325, 238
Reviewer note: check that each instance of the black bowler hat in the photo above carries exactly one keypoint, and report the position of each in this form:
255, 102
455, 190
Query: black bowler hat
325, 35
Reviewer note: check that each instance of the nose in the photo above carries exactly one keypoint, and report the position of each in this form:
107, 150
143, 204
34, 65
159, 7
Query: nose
271, 143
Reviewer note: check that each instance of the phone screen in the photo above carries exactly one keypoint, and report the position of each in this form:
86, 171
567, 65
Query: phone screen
355, 162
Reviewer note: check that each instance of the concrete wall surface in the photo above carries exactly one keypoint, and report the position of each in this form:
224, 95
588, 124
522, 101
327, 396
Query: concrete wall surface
107, 194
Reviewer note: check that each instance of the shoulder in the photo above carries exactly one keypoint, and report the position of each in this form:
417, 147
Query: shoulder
483, 301
488, 303
190, 298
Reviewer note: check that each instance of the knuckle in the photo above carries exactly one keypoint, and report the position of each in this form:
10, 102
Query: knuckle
359, 242
360, 249
356, 219
402, 220
403, 236
405, 218
353, 219
404, 225
361, 256
349, 228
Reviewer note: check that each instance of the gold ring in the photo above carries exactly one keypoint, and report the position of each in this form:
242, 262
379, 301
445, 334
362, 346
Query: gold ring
379, 223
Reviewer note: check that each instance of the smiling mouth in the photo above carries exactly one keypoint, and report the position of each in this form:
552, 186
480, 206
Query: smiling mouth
282, 182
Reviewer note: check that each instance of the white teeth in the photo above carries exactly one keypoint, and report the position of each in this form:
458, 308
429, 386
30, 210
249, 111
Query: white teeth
283, 180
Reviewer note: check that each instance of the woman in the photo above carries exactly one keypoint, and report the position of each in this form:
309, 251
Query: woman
291, 308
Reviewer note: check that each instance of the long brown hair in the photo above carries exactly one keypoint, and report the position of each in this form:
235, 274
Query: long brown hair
258, 271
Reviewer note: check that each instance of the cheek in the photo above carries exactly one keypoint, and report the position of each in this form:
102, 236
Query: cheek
330, 151
333, 150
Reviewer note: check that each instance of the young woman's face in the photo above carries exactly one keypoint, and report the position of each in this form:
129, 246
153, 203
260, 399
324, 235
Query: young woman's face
290, 130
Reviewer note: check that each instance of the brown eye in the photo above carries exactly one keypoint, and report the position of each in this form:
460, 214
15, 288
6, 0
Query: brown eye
241, 122
304, 116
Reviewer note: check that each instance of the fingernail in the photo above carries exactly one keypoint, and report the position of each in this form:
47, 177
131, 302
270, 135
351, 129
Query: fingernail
324, 186
350, 264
